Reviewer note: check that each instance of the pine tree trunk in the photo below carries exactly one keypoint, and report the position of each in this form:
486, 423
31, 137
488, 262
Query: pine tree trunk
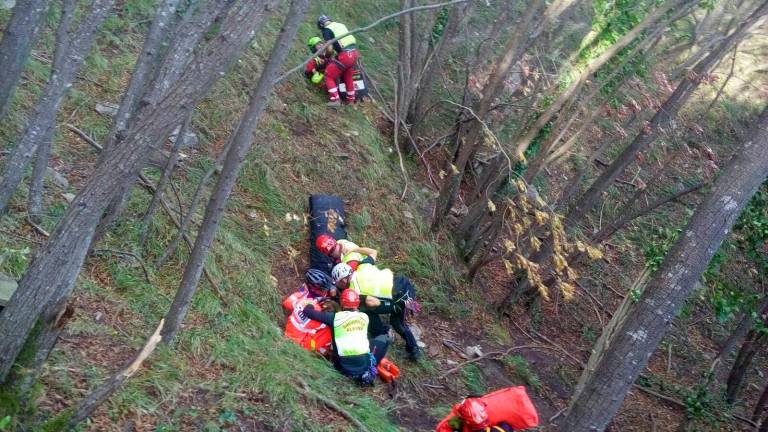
239, 145
35, 199
71, 50
638, 335
666, 113
19, 36
51, 273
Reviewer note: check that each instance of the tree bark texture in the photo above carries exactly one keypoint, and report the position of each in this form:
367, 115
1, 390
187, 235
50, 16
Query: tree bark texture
165, 178
638, 335
19, 36
430, 70
469, 133
760, 406
752, 344
666, 113
240, 143
71, 49
52, 271
150, 57
180, 52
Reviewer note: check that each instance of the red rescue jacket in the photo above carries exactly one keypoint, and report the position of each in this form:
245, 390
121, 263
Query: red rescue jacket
509, 405
310, 334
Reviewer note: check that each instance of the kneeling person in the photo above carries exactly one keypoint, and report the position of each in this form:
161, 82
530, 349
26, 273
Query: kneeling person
396, 295
310, 334
353, 354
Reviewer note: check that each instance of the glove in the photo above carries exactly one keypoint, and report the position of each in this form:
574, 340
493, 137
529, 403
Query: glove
317, 77
412, 307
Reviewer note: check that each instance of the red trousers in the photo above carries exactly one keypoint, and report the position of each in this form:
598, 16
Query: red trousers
341, 66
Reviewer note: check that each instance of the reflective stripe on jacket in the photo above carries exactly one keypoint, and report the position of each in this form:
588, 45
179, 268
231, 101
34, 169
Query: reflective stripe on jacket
350, 332
372, 281
339, 29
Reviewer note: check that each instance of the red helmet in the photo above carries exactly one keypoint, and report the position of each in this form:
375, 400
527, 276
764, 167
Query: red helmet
473, 412
350, 299
325, 243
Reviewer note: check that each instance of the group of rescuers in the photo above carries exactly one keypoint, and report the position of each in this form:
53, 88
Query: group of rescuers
356, 339
338, 62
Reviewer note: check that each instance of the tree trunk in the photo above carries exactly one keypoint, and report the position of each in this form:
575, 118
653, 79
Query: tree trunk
524, 141
752, 344
663, 117
745, 325
35, 198
148, 61
628, 216
760, 406
19, 36
165, 178
649, 318
51, 273
71, 50
240, 143
467, 139
430, 70
175, 59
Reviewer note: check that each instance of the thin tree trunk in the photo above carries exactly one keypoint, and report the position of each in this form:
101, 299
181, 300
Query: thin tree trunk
175, 59
149, 60
523, 142
468, 136
51, 273
663, 117
165, 178
187, 219
760, 406
71, 50
752, 344
431, 68
100, 394
636, 338
745, 325
628, 216
725, 82
19, 36
240, 143
35, 199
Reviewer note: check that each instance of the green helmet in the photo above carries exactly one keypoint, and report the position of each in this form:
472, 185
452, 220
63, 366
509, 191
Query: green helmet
311, 42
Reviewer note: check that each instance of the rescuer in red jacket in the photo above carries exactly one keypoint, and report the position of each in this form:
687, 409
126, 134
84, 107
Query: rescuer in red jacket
310, 334
343, 65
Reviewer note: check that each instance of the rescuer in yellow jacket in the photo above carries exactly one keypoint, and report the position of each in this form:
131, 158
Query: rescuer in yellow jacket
396, 296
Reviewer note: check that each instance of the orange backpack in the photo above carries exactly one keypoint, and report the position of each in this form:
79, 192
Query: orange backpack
509, 405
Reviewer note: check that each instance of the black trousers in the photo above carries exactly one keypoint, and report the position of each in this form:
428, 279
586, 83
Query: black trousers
402, 291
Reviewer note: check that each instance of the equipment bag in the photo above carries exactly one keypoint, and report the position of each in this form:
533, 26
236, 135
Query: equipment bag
361, 84
326, 216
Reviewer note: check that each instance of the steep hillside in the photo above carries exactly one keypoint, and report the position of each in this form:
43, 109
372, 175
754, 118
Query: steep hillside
231, 368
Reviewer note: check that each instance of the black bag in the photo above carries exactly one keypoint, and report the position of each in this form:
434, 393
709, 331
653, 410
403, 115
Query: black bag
326, 216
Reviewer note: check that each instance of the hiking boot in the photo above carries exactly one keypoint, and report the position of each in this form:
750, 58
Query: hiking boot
334, 104
414, 354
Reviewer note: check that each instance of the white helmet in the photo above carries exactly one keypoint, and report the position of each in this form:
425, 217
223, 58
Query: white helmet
340, 271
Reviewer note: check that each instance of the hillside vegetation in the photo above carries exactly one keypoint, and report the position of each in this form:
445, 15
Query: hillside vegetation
497, 310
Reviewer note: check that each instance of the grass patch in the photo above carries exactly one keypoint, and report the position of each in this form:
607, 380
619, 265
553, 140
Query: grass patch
520, 367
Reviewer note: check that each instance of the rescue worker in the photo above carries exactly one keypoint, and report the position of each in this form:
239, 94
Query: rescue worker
343, 65
311, 335
507, 409
344, 251
314, 70
396, 296
353, 354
